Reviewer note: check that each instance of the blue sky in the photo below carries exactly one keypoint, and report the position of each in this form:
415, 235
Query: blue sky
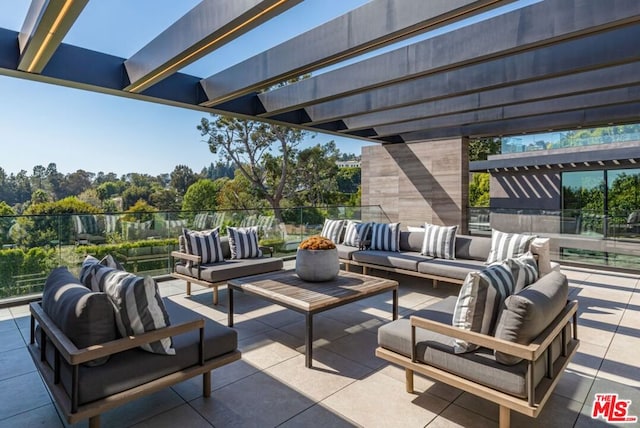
42, 123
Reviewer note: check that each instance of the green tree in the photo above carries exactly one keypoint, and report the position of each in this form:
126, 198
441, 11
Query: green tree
480, 148
165, 200
237, 194
140, 211
315, 174
201, 196
479, 190
181, 178
133, 194
6, 221
248, 144
349, 180
45, 223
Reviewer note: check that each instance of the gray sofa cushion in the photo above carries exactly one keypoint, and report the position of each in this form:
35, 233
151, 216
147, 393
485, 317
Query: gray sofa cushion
230, 269
394, 259
411, 241
86, 317
437, 350
135, 367
456, 269
345, 251
529, 312
472, 247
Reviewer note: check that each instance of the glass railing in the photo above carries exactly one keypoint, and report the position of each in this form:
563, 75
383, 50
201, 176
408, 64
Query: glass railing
580, 236
142, 242
562, 140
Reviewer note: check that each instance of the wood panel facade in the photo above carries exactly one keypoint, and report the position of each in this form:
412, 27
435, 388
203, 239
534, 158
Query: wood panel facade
418, 182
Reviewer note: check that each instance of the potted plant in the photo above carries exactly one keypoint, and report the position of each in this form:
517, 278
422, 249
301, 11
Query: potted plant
317, 259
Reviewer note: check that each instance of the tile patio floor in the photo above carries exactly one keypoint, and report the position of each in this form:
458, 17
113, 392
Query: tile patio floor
348, 385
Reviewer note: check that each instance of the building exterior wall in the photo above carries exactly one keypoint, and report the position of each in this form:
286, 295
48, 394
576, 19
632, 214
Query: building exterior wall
418, 182
534, 189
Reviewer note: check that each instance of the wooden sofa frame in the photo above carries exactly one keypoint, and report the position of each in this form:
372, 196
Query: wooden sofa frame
366, 266
536, 397
197, 260
64, 348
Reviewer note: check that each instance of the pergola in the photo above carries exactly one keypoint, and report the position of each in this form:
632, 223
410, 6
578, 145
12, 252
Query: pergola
554, 64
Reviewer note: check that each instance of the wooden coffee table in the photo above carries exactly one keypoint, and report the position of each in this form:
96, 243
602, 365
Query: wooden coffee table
309, 298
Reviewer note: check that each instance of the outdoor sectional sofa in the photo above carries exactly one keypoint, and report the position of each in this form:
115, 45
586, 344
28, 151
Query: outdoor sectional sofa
471, 253
90, 368
189, 268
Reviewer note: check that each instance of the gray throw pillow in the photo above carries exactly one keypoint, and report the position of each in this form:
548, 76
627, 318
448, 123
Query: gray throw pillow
85, 317
526, 314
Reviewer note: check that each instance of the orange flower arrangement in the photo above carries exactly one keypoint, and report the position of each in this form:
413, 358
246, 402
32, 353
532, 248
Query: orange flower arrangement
317, 242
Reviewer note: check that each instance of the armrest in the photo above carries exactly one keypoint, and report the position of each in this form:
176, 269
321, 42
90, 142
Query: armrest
511, 348
186, 256
75, 356
530, 352
266, 250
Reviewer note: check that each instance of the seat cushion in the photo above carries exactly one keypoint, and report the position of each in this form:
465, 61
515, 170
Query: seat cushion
456, 269
393, 259
230, 269
345, 251
134, 367
437, 350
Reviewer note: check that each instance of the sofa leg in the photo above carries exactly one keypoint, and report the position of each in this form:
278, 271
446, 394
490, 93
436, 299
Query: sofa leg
346, 267
505, 417
435, 283
206, 384
215, 295
188, 288
408, 374
94, 421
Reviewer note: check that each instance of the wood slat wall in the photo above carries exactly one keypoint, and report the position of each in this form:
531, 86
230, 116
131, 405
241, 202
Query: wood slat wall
418, 182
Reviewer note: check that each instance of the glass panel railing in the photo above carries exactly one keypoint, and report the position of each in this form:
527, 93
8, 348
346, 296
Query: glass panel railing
142, 242
581, 236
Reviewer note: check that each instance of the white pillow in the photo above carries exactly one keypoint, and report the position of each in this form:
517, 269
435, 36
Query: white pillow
507, 245
540, 247
332, 230
415, 228
439, 241
480, 302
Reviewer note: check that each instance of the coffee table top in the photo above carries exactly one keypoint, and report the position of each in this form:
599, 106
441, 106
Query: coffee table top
285, 287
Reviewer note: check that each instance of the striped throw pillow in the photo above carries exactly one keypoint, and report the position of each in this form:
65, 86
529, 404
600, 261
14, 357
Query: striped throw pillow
137, 303
480, 301
205, 244
355, 233
439, 241
243, 242
524, 270
508, 245
332, 230
200, 221
385, 236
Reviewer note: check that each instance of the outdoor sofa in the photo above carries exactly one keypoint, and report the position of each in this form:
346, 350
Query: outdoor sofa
90, 367
189, 267
518, 362
471, 252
